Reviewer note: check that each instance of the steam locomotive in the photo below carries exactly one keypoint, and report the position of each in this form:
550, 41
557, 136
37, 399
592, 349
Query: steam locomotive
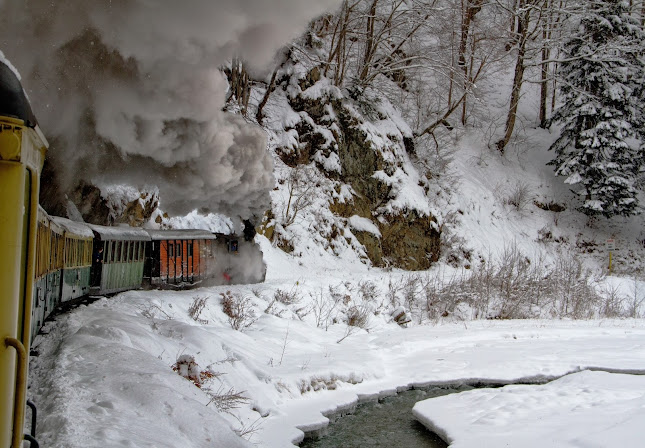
75, 260
48, 261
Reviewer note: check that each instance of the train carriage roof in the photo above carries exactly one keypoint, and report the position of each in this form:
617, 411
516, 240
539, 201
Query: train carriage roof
123, 233
13, 101
79, 229
47, 221
181, 234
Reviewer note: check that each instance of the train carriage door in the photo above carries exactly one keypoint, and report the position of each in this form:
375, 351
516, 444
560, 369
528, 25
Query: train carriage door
98, 255
179, 261
189, 260
170, 260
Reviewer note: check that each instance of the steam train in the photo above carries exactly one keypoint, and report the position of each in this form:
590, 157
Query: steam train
75, 260
48, 261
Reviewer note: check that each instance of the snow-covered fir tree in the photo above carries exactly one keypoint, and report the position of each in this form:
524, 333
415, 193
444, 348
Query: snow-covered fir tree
602, 111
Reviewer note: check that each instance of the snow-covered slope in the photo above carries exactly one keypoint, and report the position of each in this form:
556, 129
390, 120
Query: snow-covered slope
104, 374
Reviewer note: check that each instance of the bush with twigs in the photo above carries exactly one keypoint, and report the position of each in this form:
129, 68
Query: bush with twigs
196, 308
239, 310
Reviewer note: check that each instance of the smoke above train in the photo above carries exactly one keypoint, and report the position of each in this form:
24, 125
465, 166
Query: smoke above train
130, 91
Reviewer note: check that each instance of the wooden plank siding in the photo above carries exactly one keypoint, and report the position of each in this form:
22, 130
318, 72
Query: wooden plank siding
180, 261
122, 266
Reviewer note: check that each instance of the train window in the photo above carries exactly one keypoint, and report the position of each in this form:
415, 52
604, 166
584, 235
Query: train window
58, 252
232, 246
39, 253
55, 251
142, 246
171, 249
117, 256
54, 261
68, 251
190, 249
131, 251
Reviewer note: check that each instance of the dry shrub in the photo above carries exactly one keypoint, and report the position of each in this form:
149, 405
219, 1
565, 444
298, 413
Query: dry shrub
514, 286
520, 196
196, 308
317, 383
358, 316
239, 310
226, 399
287, 297
189, 369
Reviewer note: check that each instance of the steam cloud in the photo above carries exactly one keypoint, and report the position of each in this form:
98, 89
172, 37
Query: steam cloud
130, 91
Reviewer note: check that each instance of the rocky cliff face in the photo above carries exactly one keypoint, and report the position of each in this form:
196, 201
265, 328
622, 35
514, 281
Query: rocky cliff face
113, 205
356, 141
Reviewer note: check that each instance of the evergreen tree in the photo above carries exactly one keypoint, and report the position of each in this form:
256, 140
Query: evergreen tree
602, 85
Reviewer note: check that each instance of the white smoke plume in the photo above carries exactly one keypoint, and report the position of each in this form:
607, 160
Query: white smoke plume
130, 91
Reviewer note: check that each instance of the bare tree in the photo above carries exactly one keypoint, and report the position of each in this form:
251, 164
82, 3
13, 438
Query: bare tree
527, 15
301, 187
240, 83
473, 48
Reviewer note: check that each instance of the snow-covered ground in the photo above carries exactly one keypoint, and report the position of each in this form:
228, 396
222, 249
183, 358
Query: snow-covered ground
104, 375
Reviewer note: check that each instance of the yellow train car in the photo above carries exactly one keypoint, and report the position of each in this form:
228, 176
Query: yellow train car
22, 153
50, 247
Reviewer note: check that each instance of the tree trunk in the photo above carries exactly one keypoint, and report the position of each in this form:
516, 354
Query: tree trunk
259, 116
370, 46
240, 84
470, 8
522, 28
544, 72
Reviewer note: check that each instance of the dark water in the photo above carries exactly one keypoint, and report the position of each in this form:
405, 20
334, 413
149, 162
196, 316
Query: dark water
386, 423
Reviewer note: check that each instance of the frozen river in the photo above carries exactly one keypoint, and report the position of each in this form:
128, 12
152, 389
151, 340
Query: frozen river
384, 423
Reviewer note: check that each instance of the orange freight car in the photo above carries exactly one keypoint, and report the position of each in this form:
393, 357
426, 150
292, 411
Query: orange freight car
178, 257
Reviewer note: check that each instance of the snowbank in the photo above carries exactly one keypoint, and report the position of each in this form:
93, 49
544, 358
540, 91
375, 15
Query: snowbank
582, 409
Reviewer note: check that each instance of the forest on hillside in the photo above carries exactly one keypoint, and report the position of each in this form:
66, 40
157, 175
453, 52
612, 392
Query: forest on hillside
428, 58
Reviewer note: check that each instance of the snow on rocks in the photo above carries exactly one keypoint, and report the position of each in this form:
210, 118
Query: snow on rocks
582, 409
